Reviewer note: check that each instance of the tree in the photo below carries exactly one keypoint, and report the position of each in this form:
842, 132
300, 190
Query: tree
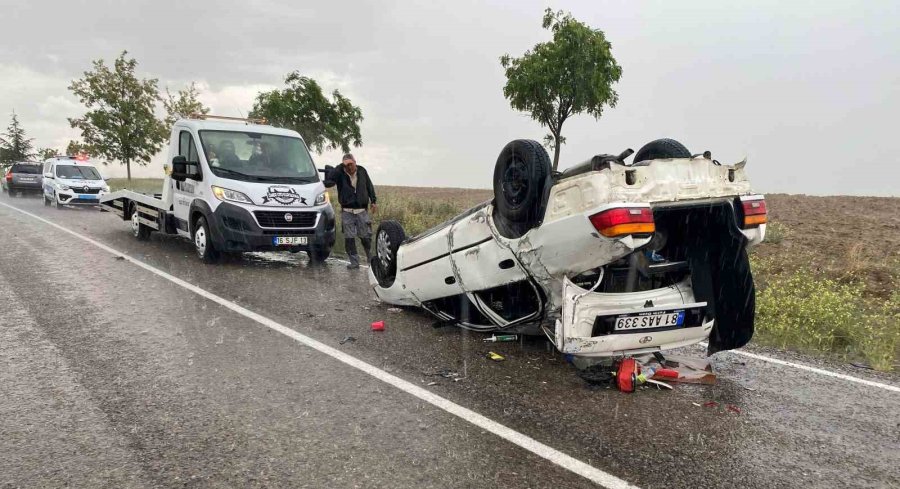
183, 104
324, 124
569, 75
120, 123
75, 148
15, 145
45, 153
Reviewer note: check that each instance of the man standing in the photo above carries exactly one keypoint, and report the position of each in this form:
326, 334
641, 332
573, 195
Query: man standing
355, 192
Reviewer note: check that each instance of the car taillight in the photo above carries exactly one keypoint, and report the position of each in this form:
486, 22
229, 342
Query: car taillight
623, 221
754, 213
9, 177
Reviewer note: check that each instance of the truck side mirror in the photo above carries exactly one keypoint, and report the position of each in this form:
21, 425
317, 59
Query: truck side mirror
179, 168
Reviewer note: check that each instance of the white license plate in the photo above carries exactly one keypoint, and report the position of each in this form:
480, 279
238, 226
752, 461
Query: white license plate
649, 320
289, 240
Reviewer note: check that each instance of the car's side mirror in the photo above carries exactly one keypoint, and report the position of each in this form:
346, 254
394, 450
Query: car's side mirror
48, 175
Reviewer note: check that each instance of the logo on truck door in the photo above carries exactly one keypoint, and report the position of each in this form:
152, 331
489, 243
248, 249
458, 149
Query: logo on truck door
283, 195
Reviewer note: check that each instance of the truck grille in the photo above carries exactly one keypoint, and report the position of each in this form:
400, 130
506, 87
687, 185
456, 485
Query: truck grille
276, 219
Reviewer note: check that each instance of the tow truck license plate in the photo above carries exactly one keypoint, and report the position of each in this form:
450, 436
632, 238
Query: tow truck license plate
289, 240
649, 320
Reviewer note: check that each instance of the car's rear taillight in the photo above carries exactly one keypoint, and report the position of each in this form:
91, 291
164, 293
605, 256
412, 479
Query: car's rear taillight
9, 177
623, 221
754, 212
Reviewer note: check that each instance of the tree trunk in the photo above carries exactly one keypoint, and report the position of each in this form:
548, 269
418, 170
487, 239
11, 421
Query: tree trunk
128, 167
556, 153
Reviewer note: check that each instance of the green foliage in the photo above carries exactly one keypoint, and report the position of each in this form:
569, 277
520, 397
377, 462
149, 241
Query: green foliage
120, 123
15, 145
810, 312
75, 148
776, 232
45, 153
323, 123
572, 74
182, 105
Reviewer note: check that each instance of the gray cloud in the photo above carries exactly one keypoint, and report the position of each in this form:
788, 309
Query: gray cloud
808, 90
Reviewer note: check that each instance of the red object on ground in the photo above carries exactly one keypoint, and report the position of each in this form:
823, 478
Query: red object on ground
626, 375
378, 326
732, 408
710, 404
666, 373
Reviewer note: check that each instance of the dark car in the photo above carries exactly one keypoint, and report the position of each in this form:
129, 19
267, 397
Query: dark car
23, 177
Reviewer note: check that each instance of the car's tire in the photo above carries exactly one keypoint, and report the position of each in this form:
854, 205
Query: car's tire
520, 176
319, 253
138, 230
659, 149
12, 193
388, 238
46, 200
57, 203
203, 242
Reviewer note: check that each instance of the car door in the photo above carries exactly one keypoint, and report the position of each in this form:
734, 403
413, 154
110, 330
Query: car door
185, 192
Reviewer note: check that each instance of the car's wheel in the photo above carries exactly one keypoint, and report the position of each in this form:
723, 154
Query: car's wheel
140, 231
12, 193
661, 149
319, 253
203, 243
46, 200
57, 203
520, 176
388, 238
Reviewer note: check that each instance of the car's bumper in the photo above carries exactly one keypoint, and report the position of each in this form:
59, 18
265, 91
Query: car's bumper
25, 187
69, 197
235, 230
579, 332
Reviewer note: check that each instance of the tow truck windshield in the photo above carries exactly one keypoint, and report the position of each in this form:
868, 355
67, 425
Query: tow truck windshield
258, 157
73, 172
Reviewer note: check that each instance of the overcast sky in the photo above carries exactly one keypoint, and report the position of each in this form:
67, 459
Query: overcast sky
809, 90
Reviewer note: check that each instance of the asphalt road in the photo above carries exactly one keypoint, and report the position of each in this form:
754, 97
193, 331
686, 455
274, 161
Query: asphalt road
114, 376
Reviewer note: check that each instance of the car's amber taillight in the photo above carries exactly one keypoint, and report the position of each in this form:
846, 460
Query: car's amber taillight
754, 212
623, 221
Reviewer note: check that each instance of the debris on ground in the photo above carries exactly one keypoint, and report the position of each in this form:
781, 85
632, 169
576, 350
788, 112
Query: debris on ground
731, 408
444, 372
501, 338
432, 383
378, 326
347, 339
495, 356
120, 257
711, 404
395, 309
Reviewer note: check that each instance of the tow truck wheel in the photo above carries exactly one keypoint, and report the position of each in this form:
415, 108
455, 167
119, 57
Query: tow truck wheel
203, 242
140, 231
388, 238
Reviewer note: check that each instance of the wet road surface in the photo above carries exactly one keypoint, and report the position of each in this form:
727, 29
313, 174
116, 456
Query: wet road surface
113, 376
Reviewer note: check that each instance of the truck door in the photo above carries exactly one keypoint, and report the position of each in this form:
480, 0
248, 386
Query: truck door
184, 193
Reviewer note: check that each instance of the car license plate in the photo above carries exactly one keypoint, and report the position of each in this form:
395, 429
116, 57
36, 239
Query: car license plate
663, 319
289, 240
86, 197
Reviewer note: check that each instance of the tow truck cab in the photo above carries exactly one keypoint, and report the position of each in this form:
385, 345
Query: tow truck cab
235, 186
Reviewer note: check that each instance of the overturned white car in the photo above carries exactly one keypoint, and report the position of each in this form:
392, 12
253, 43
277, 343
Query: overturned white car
606, 258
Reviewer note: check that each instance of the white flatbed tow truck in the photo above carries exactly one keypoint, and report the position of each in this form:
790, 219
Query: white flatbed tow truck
235, 185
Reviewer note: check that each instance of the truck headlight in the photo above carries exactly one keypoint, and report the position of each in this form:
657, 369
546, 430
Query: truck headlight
230, 195
322, 198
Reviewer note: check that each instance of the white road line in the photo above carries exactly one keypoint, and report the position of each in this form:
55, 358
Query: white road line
814, 370
544, 451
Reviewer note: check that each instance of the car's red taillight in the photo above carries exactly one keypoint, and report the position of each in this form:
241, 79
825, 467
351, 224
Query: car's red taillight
8, 177
623, 221
754, 212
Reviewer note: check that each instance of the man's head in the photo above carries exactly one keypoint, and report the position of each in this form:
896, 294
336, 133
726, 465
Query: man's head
349, 163
227, 147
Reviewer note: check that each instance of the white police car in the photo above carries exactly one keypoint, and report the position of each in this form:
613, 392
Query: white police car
72, 180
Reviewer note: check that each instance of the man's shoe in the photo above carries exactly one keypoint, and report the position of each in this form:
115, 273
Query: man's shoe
353, 266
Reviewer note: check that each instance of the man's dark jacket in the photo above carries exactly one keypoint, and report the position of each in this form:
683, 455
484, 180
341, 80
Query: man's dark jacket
349, 197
